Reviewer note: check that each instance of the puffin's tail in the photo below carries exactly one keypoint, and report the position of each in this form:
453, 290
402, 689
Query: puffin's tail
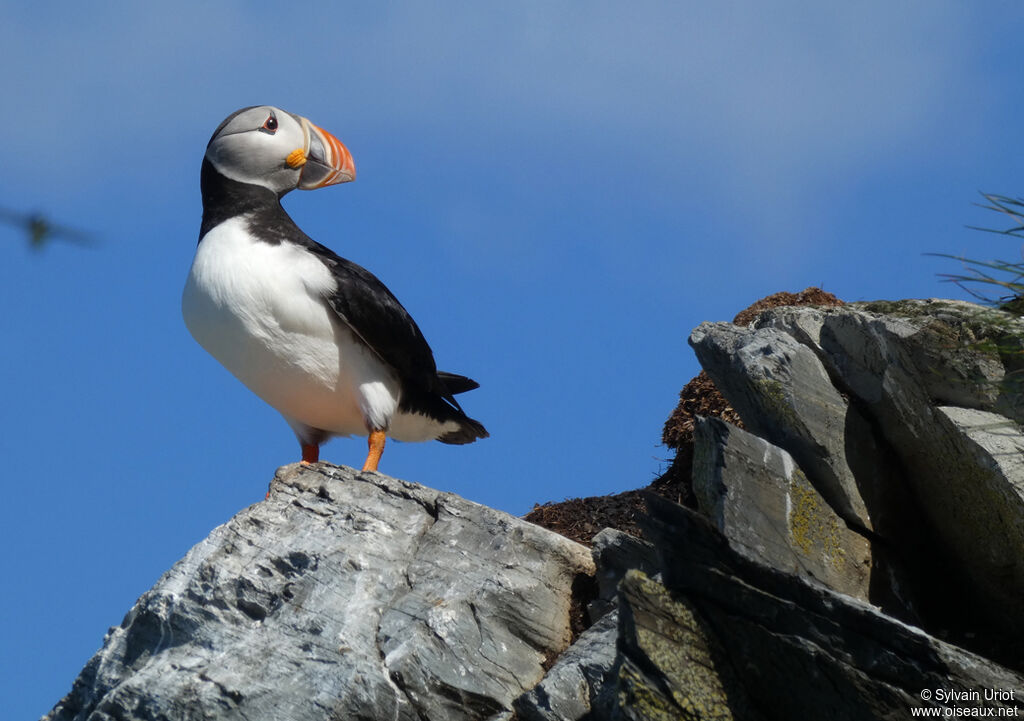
469, 431
442, 407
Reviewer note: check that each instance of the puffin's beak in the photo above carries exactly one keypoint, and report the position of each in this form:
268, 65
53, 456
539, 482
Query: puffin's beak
327, 161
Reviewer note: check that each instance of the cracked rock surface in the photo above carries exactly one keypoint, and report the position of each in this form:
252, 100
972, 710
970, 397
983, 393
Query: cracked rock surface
856, 553
344, 595
906, 417
861, 542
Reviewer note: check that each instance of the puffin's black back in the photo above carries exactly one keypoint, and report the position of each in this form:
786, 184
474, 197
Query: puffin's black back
361, 300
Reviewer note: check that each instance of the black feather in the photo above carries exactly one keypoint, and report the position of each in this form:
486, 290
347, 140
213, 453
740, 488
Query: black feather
457, 384
361, 301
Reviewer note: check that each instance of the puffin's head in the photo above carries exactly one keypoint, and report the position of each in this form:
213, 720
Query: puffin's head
267, 146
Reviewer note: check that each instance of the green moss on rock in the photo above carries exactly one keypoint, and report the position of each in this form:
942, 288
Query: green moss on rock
813, 527
673, 669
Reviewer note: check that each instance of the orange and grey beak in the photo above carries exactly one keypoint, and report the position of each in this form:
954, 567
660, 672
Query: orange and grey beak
324, 160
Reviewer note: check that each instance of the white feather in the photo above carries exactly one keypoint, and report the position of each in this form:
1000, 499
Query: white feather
259, 309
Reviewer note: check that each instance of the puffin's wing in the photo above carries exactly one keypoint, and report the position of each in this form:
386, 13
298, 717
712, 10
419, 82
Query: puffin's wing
375, 317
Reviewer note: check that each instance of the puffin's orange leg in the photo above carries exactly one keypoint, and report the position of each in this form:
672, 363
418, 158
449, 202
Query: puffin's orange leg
310, 454
376, 444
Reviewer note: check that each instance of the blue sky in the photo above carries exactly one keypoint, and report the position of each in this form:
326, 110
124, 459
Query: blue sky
558, 192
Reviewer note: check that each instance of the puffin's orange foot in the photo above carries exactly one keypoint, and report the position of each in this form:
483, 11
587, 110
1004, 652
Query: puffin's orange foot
310, 454
376, 444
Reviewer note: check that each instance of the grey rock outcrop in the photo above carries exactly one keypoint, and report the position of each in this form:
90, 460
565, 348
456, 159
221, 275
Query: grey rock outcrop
856, 553
783, 393
576, 687
757, 497
780, 648
827, 528
925, 430
572, 687
719, 635
344, 595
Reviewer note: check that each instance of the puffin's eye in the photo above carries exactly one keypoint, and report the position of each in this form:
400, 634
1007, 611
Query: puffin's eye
270, 125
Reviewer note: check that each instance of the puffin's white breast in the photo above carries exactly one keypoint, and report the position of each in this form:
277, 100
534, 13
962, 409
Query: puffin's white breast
259, 308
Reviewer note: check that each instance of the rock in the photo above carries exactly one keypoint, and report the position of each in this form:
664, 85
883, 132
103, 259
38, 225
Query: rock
727, 636
616, 553
762, 614
754, 494
901, 367
858, 554
989, 500
344, 595
783, 393
796, 650
582, 674
996, 443
569, 690
964, 354
875, 411
670, 664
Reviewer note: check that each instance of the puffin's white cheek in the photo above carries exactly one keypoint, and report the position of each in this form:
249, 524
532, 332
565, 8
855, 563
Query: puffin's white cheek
234, 161
254, 159
283, 180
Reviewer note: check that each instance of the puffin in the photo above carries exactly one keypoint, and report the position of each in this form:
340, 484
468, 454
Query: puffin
316, 336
